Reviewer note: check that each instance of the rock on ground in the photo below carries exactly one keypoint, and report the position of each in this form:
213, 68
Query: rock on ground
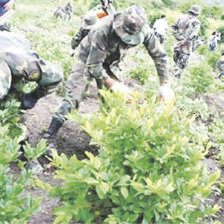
70, 138
215, 102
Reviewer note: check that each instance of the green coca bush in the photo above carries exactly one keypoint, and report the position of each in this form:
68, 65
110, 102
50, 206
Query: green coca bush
148, 170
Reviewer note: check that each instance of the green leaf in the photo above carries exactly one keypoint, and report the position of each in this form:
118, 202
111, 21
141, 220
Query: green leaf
124, 192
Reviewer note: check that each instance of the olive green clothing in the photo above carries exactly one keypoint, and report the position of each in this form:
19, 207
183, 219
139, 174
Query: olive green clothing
185, 31
99, 52
220, 66
102, 48
17, 60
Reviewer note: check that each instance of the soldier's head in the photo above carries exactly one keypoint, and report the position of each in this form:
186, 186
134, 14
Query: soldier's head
222, 53
89, 20
195, 10
129, 25
163, 16
51, 74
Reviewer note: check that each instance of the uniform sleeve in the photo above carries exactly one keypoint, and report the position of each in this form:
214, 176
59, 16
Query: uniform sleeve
78, 38
158, 54
5, 79
175, 27
217, 65
97, 54
194, 29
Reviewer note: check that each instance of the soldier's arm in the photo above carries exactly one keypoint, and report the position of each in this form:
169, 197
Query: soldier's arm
217, 66
158, 54
78, 37
5, 79
193, 30
175, 27
97, 54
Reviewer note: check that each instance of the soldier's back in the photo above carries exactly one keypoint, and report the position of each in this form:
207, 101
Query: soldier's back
13, 40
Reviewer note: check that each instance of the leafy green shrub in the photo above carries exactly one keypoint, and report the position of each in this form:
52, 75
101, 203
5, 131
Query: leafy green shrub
214, 12
15, 207
213, 57
204, 25
148, 169
169, 3
141, 73
203, 50
186, 4
221, 30
200, 77
9, 111
35, 152
216, 132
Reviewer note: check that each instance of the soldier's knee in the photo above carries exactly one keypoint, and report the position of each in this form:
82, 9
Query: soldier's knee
66, 107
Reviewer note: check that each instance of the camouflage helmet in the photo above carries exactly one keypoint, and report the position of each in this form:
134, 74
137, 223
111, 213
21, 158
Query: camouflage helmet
51, 74
195, 9
129, 25
89, 20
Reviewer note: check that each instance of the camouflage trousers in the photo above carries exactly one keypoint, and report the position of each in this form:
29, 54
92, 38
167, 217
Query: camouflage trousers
160, 37
181, 60
220, 75
7, 80
76, 86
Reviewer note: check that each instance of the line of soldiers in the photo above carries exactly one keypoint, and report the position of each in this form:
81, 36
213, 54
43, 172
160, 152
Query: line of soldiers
104, 38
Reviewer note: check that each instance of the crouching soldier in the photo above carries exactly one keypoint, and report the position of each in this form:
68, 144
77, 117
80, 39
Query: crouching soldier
185, 30
18, 61
220, 66
104, 46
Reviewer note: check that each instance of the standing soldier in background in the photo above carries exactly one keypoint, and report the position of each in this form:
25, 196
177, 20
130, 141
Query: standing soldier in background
105, 45
90, 19
160, 27
220, 66
5, 5
185, 31
18, 61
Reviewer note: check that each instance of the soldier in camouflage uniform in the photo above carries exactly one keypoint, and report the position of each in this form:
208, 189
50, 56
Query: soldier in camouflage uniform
220, 66
90, 19
104, 46
185, 31
18, 61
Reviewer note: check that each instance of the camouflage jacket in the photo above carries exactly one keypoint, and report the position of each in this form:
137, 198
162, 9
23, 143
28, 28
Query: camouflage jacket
88, 21
19, 61
220, 64
78, 37
103, 48
186, 28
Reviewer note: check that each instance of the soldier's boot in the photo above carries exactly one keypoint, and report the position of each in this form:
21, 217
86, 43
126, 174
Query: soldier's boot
30, 99
53, 129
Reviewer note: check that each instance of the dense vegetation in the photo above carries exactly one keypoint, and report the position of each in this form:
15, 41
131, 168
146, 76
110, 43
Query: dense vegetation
149, 168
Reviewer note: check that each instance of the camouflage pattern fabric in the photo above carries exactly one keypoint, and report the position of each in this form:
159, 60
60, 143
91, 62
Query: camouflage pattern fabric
88, 21
220, 66
160, 28
76, 40
99, 52
19, 61
185, 30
